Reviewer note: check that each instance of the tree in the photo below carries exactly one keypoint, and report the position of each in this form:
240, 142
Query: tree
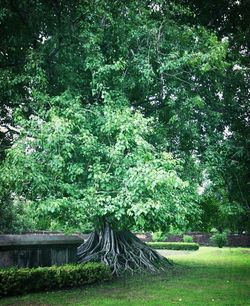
149, 55
96, 163
227, 157
144, 50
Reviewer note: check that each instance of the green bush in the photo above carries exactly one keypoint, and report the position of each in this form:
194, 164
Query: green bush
187, 238
219, 239
158, 236
17, 281
174, 245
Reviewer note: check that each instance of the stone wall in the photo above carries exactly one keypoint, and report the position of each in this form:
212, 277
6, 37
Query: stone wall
33, 250
47, 249
242, 240
234, 240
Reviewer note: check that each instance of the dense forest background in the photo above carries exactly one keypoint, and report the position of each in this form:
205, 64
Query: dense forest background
171, 74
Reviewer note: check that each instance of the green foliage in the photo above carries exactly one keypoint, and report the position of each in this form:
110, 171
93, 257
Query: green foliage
174, 246
219, 239
159, 236
219, 211
180, 62
15, 281
75, 164
187, 238
15, 217
175, 230
227, 150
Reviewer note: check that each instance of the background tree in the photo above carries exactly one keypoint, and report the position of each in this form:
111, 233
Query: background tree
228, 160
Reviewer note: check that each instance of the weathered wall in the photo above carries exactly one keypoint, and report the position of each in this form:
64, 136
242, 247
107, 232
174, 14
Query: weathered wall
234, 240
33, 250
46, 249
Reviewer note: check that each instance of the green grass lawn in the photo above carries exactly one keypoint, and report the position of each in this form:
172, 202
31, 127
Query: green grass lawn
210, 276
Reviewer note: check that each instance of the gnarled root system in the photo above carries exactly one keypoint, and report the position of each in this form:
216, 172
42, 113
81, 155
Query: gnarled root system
122, 251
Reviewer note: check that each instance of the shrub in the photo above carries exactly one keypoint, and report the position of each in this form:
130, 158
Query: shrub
214, 230
174, 245
187, 238
219, 239
158, 236
17, 281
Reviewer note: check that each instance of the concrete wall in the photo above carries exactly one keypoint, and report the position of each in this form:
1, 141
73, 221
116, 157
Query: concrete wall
33, 250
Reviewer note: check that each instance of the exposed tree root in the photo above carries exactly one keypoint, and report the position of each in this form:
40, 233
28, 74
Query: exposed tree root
122, 251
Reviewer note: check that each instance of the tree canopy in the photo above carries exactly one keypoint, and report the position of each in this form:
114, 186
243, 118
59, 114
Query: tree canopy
96, 164
80, 84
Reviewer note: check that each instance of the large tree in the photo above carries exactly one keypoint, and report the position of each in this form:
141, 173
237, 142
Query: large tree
144, 50
77, 155
99, 164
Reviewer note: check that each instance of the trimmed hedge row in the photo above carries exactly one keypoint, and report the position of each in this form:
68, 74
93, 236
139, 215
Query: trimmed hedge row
174, 245
17, 281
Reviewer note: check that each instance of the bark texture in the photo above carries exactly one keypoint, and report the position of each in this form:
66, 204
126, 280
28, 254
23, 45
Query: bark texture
122, 251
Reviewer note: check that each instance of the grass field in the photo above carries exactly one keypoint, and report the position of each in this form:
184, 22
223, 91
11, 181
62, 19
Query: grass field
210, 276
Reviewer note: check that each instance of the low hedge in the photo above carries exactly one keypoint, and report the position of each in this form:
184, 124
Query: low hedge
22, 280
174, 245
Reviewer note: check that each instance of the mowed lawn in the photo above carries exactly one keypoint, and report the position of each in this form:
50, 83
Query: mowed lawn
210, 276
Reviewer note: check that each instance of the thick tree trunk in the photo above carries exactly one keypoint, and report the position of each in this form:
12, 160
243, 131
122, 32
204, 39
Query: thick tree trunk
122, 251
